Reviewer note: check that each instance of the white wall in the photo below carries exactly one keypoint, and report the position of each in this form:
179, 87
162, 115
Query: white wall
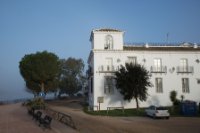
171, 81
99, 40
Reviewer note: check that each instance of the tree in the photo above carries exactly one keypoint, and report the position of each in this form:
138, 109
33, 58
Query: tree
133, 81
173, 98
33, 87
173, 95
71, 77
40, 71
175, 101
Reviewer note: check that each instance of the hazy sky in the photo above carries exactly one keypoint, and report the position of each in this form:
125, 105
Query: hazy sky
64, 26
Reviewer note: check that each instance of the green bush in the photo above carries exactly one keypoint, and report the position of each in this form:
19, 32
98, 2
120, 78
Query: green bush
117, 112
37, 103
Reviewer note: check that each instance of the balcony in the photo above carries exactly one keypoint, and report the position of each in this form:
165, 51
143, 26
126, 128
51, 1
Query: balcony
108, 69
162, 69
186, 69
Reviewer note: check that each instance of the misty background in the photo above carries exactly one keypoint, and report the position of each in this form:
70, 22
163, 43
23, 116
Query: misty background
64, 26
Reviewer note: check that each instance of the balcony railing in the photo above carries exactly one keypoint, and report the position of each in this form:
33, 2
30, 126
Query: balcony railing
186, 69
162, 69
108, 68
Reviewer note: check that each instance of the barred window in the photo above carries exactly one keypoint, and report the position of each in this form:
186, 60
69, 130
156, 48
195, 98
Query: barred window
184, 65
158, 64
108, 42
132, 60
185, 85
109, 84
159, 85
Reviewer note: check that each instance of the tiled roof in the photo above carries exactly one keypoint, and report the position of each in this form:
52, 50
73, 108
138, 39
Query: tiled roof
161, 48
108, 30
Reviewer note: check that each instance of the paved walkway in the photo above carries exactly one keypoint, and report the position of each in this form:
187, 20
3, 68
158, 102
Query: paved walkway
15, 119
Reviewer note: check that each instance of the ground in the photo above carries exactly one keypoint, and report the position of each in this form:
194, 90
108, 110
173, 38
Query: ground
14, 119
98, 124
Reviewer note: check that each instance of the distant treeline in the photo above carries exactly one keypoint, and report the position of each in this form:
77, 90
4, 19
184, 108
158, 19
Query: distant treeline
14, 101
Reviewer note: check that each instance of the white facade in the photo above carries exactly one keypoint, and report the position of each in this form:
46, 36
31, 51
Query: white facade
174, 67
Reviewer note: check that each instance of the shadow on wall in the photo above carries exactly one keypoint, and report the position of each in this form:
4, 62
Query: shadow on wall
153, 100
115, 99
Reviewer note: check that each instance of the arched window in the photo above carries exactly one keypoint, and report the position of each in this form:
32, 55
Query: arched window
108, 42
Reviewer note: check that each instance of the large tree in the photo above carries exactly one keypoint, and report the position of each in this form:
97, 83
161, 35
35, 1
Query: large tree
133, 81
71, 78
40, 71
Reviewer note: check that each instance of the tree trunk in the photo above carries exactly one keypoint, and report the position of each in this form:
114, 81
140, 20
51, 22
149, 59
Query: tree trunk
137, 104
42, 87
42, 93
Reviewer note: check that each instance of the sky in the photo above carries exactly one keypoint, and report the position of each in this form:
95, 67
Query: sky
64, 26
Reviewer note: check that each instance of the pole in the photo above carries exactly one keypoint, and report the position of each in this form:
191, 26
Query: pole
167, 38
99, 105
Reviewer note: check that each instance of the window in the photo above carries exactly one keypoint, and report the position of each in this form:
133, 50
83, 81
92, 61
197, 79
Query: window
108, 42
109, 85
184, 65
185, 85
159, 85
198, 81
158, 64
132, 60
109, 64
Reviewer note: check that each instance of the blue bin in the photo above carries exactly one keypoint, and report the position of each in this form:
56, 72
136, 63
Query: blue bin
189, 108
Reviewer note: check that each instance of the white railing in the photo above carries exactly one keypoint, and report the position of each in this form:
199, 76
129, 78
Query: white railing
161, 69
186, 69
108, 68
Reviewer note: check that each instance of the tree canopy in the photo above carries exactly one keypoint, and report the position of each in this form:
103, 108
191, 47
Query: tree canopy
133, 81
71, 77
40, 71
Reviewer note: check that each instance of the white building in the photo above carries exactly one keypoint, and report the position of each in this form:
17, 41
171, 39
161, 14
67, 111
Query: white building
173, 67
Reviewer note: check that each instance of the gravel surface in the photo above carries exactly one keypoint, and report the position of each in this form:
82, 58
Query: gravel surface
104, 124
15, 119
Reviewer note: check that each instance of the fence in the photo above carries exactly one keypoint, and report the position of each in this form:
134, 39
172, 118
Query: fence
63, 118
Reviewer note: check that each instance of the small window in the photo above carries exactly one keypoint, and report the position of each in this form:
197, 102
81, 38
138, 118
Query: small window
108, 42
132, 60
184, 65
158, 64
185, 85
198, 81
109, 64
109, 84
159, 85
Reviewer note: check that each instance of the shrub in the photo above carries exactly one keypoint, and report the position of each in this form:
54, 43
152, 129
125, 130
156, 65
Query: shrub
173, 95
37, 103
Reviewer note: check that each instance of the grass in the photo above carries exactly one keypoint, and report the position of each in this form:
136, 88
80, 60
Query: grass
132, 112
117, 112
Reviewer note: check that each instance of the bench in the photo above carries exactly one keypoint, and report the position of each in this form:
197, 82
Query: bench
37, 115
31, 111
46, 121
112, 108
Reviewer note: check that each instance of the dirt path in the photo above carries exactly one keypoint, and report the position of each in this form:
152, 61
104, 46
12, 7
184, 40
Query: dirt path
104, 124
14, 119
